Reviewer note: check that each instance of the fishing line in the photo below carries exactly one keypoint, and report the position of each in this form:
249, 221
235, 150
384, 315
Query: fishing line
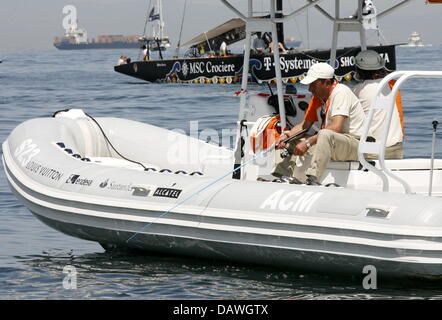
263, 153
199, 191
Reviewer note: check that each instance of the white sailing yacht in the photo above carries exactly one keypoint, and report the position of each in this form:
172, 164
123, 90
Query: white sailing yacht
156, 39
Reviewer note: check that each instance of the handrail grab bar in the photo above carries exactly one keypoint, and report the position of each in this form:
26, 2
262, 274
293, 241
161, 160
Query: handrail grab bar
387, 103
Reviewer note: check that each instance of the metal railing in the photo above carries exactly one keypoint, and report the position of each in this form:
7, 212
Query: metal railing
387, 103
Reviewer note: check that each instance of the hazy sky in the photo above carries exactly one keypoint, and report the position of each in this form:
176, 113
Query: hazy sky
32, 24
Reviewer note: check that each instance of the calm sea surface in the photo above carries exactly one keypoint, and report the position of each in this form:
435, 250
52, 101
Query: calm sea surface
32, 256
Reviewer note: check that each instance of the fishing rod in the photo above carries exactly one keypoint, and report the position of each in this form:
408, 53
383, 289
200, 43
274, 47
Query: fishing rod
297, 135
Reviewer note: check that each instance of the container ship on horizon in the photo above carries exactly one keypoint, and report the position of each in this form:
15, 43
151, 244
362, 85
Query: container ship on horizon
76, 39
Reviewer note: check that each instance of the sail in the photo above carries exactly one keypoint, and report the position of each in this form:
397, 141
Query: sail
229, 32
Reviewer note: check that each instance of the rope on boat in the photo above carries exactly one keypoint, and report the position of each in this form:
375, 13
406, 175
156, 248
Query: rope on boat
108, 141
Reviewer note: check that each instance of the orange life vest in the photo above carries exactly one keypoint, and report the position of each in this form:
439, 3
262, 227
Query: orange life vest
265, 132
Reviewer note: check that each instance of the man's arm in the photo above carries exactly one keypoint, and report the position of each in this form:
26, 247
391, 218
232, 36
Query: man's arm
305, 124
337, 125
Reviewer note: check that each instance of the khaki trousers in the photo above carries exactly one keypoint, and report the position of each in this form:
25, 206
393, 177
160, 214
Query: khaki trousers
293, 166
330, 146
395, 151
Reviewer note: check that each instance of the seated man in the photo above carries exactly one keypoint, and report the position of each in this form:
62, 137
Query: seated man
122, 60
339, 136
370, 70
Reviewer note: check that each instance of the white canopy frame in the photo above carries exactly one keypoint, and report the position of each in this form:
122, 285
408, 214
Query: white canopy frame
268, 24
386, 103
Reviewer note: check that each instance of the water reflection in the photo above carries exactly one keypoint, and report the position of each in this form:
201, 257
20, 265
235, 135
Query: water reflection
129, 275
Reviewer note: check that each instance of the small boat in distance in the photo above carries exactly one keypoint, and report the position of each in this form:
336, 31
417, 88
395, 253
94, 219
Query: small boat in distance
415, 40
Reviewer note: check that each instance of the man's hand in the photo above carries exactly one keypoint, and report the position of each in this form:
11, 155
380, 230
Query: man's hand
280, 142
300, 149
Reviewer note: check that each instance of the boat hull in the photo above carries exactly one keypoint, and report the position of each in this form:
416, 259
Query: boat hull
277, 224
229, 69
85, 46
299, 254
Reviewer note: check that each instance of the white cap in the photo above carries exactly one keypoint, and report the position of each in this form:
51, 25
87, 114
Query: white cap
319, 70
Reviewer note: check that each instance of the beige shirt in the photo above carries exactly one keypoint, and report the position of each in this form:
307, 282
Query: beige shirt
344, 102
366, 91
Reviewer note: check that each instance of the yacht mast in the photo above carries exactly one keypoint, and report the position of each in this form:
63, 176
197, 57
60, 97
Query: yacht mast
161, 21
279, 25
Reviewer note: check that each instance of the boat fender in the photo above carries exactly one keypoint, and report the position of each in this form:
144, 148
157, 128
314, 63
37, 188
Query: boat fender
68, 150
196, 172
86, 159
76, 156
149, 169
165, 170
181, 171
61, 145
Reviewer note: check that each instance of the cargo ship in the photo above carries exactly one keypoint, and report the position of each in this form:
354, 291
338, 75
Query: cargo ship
76, 39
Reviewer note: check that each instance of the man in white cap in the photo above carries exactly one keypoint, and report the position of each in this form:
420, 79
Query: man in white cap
339, 136
370, 70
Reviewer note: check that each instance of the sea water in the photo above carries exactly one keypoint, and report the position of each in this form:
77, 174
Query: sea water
36, 260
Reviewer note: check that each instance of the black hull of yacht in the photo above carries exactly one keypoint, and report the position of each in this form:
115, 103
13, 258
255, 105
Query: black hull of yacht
229, 69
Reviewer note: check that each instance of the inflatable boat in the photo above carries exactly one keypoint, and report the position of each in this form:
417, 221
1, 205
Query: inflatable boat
117, 182
127, 184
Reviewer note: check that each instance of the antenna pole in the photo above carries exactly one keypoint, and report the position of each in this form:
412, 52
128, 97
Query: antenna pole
279, 25
181, 30
433, 150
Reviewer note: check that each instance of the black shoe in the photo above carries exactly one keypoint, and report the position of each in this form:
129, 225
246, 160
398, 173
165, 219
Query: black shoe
312, 181
286, 179
293, 180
